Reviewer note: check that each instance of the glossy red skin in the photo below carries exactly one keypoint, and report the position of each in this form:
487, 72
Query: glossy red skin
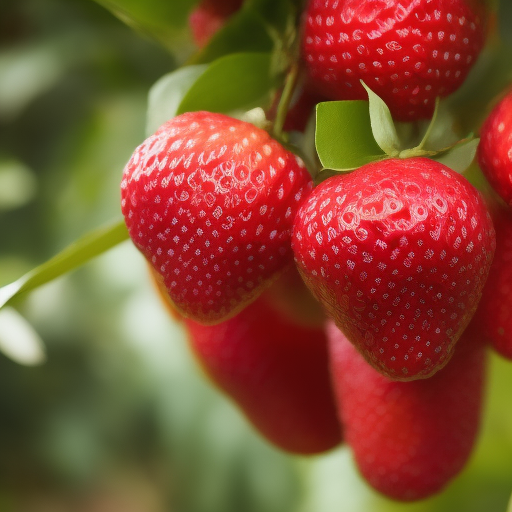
398, 253
495, 148
209, 17
407, 51
409, 439
493, 317
276, 371
209, 201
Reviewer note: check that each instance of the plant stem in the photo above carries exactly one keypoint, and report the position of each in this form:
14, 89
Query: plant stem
284, 101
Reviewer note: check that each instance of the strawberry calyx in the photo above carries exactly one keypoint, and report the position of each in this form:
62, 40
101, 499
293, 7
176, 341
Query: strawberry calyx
346, 139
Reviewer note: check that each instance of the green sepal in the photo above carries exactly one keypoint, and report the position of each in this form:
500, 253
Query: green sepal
383, 127
166, 95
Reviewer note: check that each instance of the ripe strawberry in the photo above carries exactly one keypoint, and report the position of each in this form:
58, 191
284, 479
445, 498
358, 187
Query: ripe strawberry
409, 439
493, 318
276, 371
209, 16
398, 252
210, 201
407, 51
495, 148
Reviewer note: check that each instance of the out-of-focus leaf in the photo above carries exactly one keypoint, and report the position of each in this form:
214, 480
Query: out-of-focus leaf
18, 340
17, 184
26, 73
277, 14
167, 93
70, 258
156, 18
344, 138
243, 32
257, 27
505, 20
232, 82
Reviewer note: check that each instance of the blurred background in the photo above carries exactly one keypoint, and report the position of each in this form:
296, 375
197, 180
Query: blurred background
116, 416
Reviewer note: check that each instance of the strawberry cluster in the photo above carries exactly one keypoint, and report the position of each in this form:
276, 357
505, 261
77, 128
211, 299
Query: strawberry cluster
340, 311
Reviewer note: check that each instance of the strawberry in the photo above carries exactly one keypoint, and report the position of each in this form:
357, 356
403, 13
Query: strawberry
209, 16
495, 148
210, 201
407, 51
276, 371
398, 252
493, 317
409, 439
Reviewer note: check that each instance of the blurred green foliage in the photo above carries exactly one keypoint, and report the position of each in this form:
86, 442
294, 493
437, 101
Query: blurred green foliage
120, 417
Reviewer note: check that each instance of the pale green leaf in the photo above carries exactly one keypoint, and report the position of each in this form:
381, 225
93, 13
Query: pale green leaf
459, 157
343, 137
72, 257
383, 128
167, 94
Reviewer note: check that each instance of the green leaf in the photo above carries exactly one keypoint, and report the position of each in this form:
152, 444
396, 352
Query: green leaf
243, 32
156, 18
167, 93
383, 128
459, 157
72, 257
505, 20
277, 14
343, 137
236, 81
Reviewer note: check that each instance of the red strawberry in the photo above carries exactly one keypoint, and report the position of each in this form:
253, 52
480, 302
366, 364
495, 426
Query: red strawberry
495, 149
210, 201
493, 317
398, 252
407, 51
409, 438
209, 16
276, 371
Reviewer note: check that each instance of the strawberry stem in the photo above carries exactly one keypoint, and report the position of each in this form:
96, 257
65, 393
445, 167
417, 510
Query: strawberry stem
284, 102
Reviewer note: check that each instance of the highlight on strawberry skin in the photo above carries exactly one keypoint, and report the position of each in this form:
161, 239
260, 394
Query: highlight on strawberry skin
210, 200
398, 253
